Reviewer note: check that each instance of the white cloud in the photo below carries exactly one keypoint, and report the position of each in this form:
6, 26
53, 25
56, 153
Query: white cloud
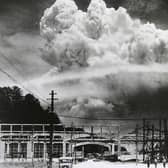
101, 35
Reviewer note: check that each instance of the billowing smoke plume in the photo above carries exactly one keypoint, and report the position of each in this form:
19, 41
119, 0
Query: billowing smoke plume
101, 57
99, 36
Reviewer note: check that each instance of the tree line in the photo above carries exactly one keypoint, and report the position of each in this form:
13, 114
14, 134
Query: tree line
18, 108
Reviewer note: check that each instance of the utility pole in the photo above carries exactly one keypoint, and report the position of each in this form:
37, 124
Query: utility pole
119, 142
72, 126
136, 144
144, 133
165, 138
51, 122
92, 134
152, 144
160, 140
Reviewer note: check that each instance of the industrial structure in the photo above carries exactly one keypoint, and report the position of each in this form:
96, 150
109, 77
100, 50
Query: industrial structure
153, 136
32, 141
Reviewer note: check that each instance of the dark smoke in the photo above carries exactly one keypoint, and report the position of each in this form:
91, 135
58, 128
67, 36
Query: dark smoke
147, 103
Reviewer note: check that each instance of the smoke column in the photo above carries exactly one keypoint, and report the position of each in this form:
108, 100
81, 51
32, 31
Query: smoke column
99, 36
99, 55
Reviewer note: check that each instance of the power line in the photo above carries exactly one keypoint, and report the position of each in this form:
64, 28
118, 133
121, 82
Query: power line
9, 62
107, 119
85, 118
16, 81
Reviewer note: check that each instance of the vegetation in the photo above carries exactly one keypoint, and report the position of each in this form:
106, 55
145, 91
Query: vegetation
16, 108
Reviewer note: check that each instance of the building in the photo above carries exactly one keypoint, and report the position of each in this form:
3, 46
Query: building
31, 141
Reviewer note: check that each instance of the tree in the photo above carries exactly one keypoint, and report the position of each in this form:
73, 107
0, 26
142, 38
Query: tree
16, 108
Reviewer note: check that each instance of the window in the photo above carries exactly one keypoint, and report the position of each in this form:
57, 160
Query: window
57, 150
23, 150
5, 128
13, 150
65, 160
38, 150
16, 128
28, 128
47, 128
38, 128
6, 147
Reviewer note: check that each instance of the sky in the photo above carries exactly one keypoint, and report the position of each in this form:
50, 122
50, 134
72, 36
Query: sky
31, 51
20, 35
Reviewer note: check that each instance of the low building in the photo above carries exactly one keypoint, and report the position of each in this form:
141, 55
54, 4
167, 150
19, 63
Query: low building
31, 141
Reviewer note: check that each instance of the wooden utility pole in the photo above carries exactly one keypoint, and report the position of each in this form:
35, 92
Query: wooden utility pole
144, 124
152, 144
51, 122
160, 140
101, 131
119, 142
136, 144
165, 138
72, 125
92, 133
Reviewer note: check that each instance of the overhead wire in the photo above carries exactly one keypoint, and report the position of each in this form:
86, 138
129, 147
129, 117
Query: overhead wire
44, 101
16, 81
107, 119
67, 116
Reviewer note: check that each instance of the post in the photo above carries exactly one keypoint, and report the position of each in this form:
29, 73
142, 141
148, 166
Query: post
101, 131
19, 149
160, 140
64, 143
165, 138
152, 144
110, 133
74, 145
119, 142
113, 149
83, 151
92, 134
64, 148
144, 139
51, 121
3, 145
136, 144
50, 145
71, 138
32, 146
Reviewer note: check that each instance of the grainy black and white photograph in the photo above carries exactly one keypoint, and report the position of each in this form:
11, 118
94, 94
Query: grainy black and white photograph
83, 83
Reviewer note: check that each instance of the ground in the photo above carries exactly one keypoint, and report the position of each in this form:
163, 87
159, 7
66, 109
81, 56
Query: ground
87, 164
103, 164
23, 165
